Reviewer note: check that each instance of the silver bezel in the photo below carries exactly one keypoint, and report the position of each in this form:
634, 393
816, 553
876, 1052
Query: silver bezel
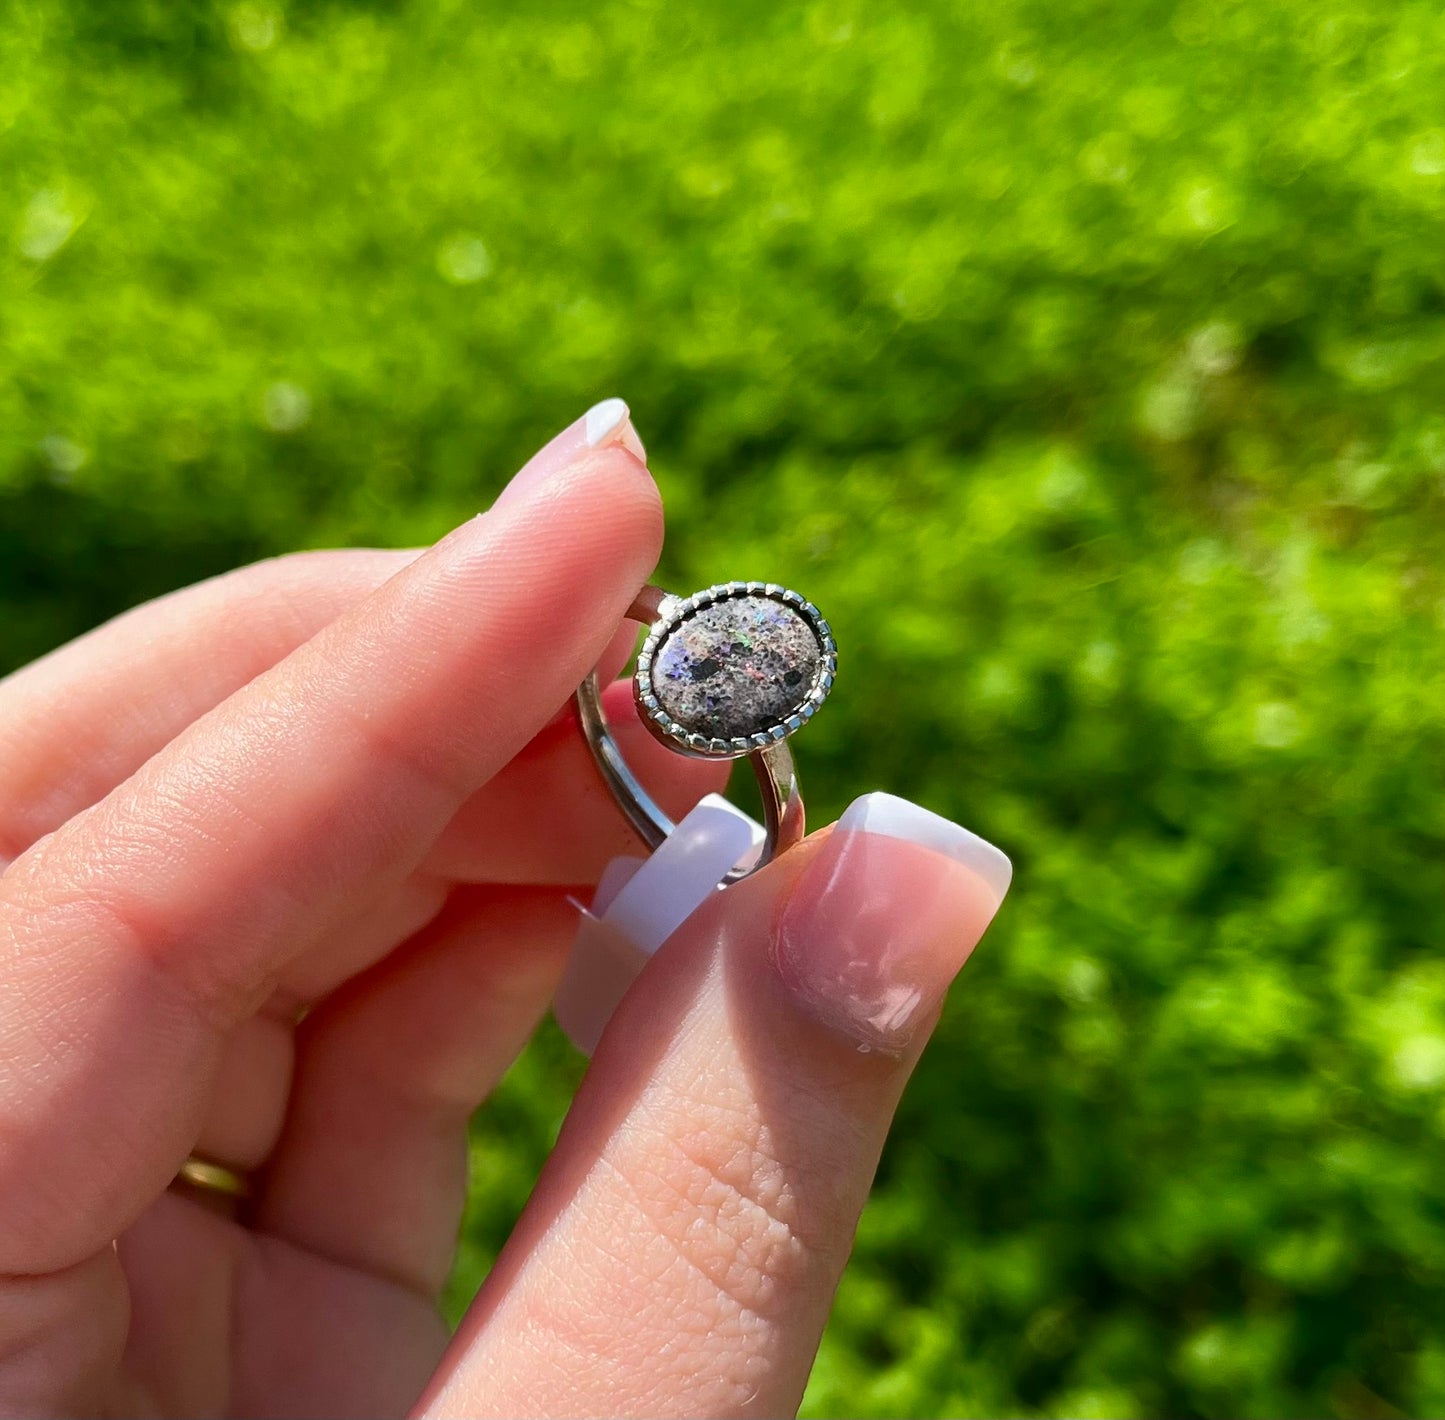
681, 609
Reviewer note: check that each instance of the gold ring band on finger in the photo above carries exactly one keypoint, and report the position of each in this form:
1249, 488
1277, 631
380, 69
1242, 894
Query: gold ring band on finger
215, 1181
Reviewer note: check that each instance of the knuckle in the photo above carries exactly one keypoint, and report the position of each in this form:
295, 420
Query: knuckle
67, 903
740, 1215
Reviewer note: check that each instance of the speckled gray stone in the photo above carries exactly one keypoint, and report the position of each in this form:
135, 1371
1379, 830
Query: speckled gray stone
737, 667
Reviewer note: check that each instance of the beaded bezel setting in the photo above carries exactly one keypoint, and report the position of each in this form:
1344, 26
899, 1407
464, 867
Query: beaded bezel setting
674, 614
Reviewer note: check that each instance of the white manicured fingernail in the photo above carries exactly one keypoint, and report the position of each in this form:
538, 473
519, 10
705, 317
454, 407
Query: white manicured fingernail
603, 418
639, 905
609, 422
900, 818
605, 423
884, 915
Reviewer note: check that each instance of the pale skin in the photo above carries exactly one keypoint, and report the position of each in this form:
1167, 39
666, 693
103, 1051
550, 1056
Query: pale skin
347, 784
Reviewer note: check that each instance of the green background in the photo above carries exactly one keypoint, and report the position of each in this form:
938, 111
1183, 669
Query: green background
1085, 362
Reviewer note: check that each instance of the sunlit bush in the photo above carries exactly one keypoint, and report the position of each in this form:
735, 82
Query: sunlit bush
1085, 363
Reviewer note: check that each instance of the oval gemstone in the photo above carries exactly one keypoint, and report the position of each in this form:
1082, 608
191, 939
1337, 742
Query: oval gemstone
737, 667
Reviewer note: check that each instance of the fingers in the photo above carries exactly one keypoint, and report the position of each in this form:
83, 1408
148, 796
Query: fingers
559, 827
563, 824
562, 827
141, 931
252, 1079
77, 722
680, 1254
371, 1169
220, 1320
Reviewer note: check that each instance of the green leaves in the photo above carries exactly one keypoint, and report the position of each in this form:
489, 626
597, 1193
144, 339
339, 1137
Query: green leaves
1083, 363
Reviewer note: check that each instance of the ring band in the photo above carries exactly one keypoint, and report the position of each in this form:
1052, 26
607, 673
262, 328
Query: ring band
214, 1178
727, 673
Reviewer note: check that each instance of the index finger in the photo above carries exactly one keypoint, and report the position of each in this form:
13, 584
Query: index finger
143, 929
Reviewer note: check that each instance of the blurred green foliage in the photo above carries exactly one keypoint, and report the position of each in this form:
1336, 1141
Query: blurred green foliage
1085, 362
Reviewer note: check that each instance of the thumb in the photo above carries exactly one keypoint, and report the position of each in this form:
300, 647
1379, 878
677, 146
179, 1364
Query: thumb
682, 1248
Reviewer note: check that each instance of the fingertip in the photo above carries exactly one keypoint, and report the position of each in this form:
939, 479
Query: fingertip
874, 932
606, 494
893, 817
610, 421
606, 427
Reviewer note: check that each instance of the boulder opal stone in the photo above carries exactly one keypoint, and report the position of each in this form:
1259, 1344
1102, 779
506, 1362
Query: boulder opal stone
737, 667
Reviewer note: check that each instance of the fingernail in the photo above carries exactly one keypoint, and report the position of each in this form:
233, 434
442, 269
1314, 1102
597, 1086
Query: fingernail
638, 905
606, 423
611, 422
883, 918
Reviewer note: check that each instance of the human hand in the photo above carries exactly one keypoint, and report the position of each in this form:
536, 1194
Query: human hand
289, 856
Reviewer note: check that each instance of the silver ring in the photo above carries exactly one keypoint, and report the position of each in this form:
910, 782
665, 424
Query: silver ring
727, 673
